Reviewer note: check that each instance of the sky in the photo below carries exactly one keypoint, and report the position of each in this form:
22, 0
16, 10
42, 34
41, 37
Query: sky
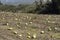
17, 1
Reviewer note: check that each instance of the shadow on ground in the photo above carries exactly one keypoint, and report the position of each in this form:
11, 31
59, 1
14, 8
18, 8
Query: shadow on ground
50, 12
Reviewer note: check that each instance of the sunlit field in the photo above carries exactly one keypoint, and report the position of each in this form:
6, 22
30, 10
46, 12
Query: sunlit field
25, 26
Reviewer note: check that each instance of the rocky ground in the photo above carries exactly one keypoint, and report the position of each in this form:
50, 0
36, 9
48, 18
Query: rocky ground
24, 26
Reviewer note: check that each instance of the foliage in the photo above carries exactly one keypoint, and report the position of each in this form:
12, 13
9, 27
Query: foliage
1, 3
29, 9
36, 7
48, 7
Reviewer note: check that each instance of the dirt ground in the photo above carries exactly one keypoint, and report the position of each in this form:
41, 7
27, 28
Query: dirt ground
24, 26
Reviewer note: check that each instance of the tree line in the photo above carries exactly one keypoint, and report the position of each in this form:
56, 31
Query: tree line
36, 7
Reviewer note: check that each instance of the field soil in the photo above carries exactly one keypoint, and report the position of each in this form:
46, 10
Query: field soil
25, 26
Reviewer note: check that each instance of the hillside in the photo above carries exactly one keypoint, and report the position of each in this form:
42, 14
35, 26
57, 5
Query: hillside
24, 26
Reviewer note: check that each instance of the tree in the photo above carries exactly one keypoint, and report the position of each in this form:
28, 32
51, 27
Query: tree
48, 7
53, 7
0, 3
38, 6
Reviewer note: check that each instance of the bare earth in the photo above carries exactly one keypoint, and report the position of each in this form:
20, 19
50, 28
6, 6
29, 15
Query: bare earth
24, 25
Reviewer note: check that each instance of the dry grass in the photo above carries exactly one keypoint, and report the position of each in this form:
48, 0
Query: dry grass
19, 24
